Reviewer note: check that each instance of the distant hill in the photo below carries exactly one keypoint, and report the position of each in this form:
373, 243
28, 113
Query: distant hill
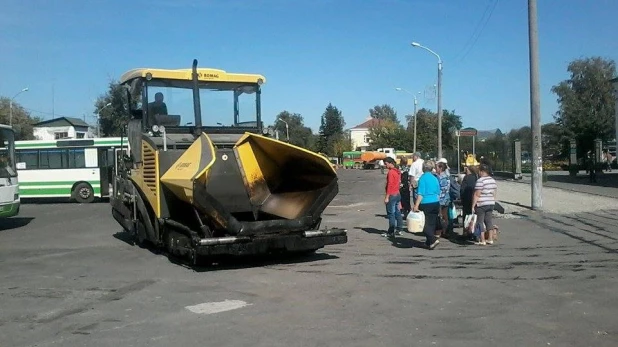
485, 134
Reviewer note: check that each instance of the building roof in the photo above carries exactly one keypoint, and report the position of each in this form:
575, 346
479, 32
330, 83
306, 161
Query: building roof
62, 121
369, 123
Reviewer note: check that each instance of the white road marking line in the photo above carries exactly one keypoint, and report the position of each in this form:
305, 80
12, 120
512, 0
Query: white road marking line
216, 307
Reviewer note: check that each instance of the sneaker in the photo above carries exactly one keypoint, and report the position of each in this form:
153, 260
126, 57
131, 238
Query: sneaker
490, 242
387, 235
480, 243
434, 244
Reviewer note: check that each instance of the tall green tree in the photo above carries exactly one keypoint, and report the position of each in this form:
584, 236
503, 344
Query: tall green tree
331, 131
389, 134
555, 142
586, 102
427, 130
384, 112
22, 120
300, 135
113, 118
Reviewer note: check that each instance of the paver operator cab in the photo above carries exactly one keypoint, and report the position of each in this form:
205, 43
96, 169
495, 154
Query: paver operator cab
217, 184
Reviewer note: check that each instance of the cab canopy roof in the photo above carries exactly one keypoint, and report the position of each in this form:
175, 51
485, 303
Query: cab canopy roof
206, 75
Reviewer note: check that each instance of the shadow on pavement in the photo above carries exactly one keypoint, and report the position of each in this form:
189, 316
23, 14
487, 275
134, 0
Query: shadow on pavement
514, 204
398, 241
552, 225
206, 264
15, 222
49, 201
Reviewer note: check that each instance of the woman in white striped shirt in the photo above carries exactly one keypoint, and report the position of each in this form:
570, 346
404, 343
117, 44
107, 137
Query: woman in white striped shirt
484, 201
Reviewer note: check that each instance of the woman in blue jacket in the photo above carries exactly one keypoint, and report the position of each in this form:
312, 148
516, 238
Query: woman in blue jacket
428, 201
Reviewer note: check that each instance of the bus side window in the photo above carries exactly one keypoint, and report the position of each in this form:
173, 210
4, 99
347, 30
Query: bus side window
77, 159
52, 158
29, 157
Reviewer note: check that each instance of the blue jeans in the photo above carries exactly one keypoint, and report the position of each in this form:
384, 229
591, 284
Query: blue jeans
394, 215
414, 195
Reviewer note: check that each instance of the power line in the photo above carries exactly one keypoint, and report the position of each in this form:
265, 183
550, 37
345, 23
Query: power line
43, 112
476, 35
476, 28
481, 31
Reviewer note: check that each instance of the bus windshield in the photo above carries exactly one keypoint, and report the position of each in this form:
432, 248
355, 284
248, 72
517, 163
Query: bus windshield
222, 104
7, 153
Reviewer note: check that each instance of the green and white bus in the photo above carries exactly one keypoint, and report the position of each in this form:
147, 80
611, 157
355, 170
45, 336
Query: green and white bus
78, 169
9, 183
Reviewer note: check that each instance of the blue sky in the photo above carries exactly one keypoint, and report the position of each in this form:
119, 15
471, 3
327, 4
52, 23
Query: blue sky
349, 52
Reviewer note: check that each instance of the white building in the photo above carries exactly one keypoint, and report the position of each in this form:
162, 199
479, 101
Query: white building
62, 128
360, 134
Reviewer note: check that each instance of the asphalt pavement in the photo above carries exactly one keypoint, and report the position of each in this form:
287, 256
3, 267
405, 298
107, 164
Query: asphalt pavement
67, 278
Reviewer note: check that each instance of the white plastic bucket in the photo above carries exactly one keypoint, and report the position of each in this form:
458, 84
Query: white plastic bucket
415, 222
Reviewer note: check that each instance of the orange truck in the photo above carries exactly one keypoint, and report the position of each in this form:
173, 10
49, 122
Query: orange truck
371, 159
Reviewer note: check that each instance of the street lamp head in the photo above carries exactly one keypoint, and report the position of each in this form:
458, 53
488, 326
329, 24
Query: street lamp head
398, 89
108, 104
25, 89
416, 44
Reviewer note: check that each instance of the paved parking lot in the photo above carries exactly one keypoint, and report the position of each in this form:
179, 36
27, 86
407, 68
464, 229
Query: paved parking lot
68, 279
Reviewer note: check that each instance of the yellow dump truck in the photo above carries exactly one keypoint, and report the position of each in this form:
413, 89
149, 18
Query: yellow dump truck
207, 188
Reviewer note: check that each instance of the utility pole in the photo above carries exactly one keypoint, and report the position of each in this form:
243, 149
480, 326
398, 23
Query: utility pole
535, 108
53, 100
439, 108
415, 103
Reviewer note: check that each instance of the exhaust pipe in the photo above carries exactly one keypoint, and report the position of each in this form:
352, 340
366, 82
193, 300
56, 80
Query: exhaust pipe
328, 232
197, 109
223, 240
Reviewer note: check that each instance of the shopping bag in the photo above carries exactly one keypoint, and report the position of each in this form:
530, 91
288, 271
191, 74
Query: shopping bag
452, 213
415, 222
470, 221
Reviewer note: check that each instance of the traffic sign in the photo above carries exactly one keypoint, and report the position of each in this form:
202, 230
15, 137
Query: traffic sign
468, 132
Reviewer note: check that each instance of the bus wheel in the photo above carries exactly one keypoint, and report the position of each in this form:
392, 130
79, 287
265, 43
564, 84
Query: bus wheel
83, 193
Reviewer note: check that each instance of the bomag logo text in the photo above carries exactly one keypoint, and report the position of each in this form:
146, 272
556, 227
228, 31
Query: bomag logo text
208, 75
181, 166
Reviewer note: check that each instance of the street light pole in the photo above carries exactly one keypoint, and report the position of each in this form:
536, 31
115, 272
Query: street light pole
99, 118
416, 44
11, 105
287, 130
414, 115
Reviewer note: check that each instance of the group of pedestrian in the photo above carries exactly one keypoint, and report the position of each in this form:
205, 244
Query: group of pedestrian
428, 187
